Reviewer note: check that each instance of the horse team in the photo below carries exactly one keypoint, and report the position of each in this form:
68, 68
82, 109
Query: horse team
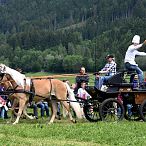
43, 89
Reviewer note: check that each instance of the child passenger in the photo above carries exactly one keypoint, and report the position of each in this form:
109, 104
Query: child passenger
82, 93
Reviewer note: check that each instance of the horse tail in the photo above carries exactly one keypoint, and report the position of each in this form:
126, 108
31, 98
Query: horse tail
74, 103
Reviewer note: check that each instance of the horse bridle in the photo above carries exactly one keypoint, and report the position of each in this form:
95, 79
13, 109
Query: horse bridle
2, 75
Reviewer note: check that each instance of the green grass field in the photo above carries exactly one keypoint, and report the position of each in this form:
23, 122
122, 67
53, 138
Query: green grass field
70, 78
64, 133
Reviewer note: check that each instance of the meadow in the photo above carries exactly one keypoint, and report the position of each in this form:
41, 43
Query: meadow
64, 133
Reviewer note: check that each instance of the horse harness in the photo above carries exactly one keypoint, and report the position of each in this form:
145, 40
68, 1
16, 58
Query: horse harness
14, 90
32, 89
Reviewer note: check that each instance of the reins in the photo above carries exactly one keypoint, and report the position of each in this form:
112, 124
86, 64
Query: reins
14, 90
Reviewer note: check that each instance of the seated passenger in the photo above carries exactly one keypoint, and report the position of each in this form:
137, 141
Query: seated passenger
109, 70
135, 82
81, 77
82, 93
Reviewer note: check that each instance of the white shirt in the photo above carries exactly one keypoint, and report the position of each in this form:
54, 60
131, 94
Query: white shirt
132, 52
82, 93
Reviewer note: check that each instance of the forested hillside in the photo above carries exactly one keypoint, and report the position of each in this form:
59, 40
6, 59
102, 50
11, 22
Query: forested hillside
62, 35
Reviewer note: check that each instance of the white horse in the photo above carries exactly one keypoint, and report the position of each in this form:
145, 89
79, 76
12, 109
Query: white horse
44, 89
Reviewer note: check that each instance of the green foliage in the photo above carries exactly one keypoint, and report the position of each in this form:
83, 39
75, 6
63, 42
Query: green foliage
39, 35
141, 62
72, 63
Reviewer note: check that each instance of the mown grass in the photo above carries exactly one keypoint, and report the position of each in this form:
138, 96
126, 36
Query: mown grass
65, 133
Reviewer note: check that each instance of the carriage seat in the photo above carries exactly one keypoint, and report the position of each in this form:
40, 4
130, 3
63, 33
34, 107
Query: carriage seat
139, 89
128, 85
129, 72
115, 79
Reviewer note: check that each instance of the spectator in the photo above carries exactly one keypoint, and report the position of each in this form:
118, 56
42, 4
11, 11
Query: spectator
109, 70
131, 53
135, 86
43, 106
81, 77
58, 116
3, 106
135, 81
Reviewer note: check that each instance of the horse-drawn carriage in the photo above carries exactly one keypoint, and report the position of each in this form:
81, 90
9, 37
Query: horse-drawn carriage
113, 104
106, 105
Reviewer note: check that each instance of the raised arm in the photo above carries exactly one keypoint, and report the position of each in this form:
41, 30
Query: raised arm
138, 46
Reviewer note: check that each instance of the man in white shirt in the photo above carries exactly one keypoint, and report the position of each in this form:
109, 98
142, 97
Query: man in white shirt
129, 60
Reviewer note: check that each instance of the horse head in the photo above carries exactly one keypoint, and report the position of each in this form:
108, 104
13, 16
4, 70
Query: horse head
14, 74
6, 81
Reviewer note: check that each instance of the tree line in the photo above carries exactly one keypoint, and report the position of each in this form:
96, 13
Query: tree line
62, 36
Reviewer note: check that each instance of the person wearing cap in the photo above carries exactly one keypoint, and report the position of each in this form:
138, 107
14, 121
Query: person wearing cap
108, 71
131, 53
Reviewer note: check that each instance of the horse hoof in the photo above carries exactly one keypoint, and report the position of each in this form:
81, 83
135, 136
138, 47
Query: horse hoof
35, 117
74, 121
50, 123
14, 123
8, 122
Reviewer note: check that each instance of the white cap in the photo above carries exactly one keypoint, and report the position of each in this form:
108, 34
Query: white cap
136, 39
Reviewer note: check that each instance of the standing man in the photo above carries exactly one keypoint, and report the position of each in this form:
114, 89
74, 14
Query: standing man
132, 51
109, 70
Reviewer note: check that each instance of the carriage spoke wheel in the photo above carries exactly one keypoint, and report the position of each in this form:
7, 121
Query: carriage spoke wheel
111, 110
91, 110
143, 110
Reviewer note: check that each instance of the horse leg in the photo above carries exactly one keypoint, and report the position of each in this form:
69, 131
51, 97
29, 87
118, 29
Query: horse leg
14, 104
66, 105
54, 111
64, 112
25, 113
12, 115
22, 102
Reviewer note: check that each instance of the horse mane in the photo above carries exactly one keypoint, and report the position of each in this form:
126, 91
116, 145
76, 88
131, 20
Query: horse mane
16, 75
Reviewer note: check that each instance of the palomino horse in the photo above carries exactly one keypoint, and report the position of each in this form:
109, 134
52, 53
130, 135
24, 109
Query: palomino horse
43, 89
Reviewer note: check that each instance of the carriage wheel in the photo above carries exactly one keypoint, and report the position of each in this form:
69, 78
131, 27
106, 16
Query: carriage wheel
135, 113
91, 110
143, 110
111, 110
